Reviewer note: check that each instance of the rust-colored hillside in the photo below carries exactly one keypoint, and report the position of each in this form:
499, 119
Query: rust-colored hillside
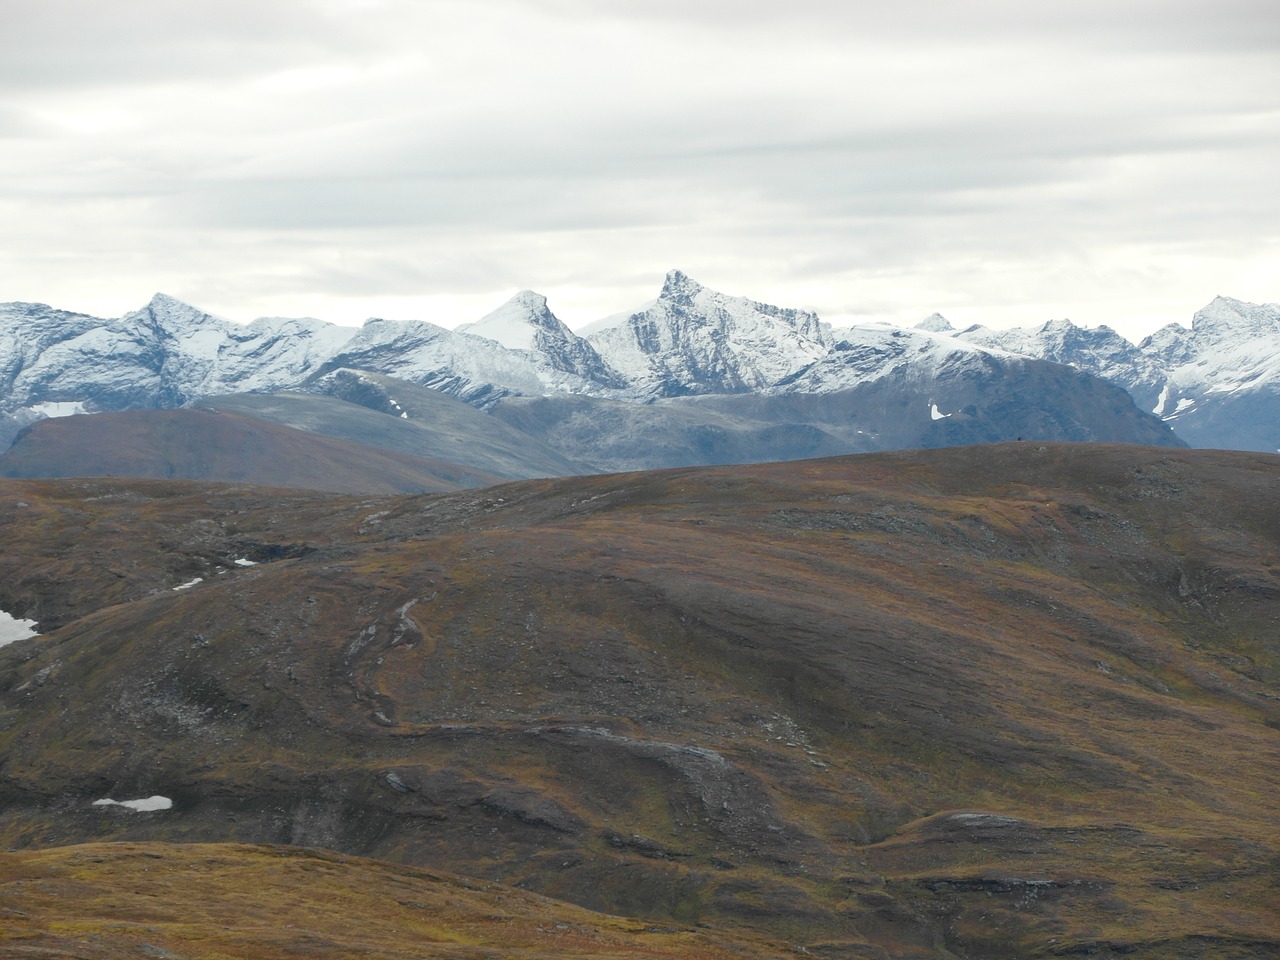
1002, 701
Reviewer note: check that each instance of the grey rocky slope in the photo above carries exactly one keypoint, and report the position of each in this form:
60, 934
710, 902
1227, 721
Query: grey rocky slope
381, 411
993, 399
224, 446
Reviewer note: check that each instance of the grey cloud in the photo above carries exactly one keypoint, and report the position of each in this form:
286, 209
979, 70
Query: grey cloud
951, 150
16, 122
64, 43
454, 204
1134, 24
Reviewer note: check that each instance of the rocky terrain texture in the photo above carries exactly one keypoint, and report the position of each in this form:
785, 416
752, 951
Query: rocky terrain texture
1000, 701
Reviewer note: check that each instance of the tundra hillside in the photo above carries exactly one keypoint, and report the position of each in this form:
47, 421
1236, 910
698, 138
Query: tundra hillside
1008, 701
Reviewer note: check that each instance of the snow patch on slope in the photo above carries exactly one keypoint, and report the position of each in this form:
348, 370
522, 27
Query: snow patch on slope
58, 408
144, 805
13, 629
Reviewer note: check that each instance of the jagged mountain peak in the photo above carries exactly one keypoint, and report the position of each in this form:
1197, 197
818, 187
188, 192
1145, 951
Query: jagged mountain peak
935, 323
1170, 339
694, 340
170, 317
1068, 334
1058, 326
1225, 317
521, 323
679, 284
164, 304
166, 301
681, 290
382, 329
530, 297
526, 324
1219, 302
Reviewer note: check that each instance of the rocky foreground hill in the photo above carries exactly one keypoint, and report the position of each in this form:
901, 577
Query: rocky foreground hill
1018, 700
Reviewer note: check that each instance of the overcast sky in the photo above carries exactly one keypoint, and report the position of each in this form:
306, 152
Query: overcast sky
1002, 161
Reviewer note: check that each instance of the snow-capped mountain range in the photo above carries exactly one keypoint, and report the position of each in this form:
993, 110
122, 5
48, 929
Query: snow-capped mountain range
692, 340
689, 341
1216, 383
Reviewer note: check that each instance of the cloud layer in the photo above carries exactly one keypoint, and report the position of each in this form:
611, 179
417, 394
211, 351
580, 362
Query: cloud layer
1000, 162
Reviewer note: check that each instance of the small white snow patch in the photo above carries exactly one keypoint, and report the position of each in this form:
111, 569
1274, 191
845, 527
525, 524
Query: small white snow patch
1164, 398
58, 408
189, 584
936, 414
146, 805
12, 629
245, 562
403, 415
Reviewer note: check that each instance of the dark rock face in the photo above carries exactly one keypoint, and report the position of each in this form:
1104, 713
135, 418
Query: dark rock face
1246, 421
989, 401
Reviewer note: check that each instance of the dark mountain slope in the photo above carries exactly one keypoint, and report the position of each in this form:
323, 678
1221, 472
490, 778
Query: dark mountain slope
985, 400
203, 445
495, 449
982, 702
421, 421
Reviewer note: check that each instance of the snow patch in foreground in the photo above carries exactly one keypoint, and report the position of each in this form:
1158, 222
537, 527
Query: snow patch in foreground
147, 804
245, 562
936, 414
189, 584
13, 629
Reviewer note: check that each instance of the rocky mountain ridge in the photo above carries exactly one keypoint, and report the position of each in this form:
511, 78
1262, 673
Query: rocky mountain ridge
1214, 384
1217, 382
692, 340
